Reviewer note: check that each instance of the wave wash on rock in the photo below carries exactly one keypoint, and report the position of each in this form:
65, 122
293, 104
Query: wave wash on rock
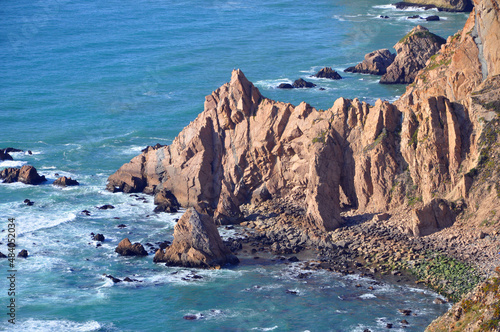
247, 148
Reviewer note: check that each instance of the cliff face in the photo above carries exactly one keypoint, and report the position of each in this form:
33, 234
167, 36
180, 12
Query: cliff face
434, 149
245, 147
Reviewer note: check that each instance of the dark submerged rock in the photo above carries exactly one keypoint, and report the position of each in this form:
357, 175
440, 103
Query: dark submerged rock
301, 83
5, 156
285, 86
165, 201
329, 73
98, 237
23, 254
106, 207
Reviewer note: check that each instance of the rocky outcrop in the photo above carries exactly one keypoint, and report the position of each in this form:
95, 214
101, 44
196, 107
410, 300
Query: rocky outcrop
245, 147
64, 181
26, 174
126, 248
301, 83
375, 63
329, 73
197, 243
444, 5
413, 51
431, 218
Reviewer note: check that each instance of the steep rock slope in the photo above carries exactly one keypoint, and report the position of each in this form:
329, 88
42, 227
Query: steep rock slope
438, 142
245, 147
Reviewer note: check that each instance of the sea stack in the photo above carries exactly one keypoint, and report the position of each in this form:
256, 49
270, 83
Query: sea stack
197, 243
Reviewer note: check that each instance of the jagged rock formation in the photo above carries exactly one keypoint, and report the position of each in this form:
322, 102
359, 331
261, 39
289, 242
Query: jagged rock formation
26, 174
245, 147
413, 51
375, 63
438, 141
126, 248
446, 5
197, 243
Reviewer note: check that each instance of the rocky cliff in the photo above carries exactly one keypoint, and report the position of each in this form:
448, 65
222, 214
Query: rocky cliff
430, 144
431, 157
247, 148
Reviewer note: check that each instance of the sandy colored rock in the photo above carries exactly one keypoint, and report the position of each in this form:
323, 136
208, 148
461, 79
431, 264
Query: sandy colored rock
126, 248
26, 174
197, 243
64, 181
431, 218
413, 51
375, 63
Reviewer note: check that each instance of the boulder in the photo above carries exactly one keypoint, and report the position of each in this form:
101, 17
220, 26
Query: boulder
413, 51
64, 181
197, 243
26, 174
165, 201
5, 156
285, 86
301, 83
98, 237
375, 63
432, 217
328, 72
126, 248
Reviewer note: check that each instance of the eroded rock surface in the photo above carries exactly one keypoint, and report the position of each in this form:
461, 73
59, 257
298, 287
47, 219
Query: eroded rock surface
375, 63
197, 243
26, 174
413, 51
126, 248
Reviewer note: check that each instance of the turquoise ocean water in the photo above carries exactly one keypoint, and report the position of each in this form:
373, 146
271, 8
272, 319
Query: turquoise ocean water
86, 85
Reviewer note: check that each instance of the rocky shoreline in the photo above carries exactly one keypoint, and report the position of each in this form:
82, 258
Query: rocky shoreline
367, 247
